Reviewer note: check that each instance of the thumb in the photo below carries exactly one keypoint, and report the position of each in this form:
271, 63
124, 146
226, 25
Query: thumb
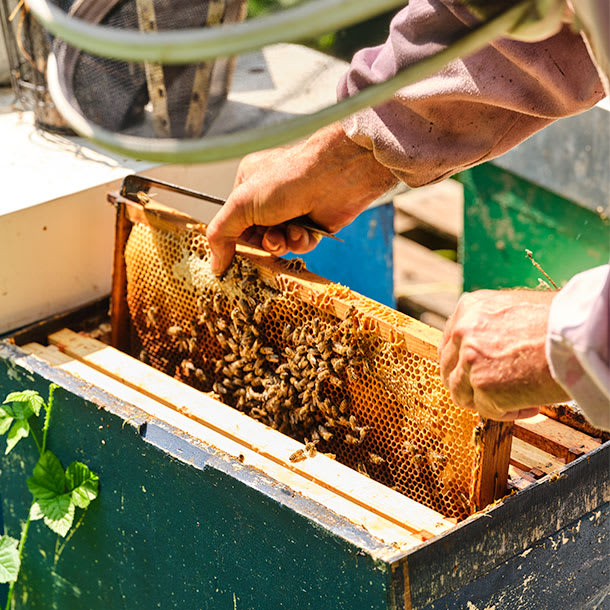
233, 218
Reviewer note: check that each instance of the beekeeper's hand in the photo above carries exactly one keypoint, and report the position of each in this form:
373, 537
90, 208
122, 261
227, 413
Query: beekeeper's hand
492, 354
328, 177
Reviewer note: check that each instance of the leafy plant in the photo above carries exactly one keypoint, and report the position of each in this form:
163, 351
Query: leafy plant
56, 493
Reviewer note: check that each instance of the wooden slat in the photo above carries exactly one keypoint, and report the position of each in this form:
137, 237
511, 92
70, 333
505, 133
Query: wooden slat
310, 288
424, 280
252, 434
554, 437
382, 528
527, 457
201, 81
438, 207
155, 79
519, 479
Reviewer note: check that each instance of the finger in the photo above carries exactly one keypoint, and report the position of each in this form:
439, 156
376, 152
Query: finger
487, 407
459, 386
451, 322
448, 357
233, 218
520, 414
299, 240
274, 241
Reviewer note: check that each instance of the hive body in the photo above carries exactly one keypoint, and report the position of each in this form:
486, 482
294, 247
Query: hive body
281, 354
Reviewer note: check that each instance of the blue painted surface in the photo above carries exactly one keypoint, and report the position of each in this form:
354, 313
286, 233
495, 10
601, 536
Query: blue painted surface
363, 261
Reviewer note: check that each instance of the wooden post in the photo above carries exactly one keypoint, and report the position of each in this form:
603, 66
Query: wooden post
119, 312
494, 439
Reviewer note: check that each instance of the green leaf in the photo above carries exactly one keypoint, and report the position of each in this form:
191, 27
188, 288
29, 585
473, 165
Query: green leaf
20, 429
31, 398
35, 512
83, 483
48, 480
58, 513
5, 422
9, 559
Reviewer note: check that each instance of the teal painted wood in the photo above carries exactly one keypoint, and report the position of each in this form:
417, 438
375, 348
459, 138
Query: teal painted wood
565, 570
476, 560
363, 261
176, 525
504, 215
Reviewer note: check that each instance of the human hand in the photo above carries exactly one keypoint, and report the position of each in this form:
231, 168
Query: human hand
328, 177
492, 354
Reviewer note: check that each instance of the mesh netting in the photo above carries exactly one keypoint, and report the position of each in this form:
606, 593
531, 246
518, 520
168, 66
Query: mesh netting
114, 94
292, 365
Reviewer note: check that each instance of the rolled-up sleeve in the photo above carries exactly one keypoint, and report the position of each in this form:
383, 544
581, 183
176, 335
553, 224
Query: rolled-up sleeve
578, 342
477, 107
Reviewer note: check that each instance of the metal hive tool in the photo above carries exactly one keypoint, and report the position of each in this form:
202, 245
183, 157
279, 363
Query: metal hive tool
308, 357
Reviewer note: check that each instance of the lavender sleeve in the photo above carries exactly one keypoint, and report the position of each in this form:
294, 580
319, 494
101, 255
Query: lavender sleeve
578, 342
473, 110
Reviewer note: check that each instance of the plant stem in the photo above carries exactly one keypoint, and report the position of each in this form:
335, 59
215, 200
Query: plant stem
35, 440
47, 419
60, 550
24, 535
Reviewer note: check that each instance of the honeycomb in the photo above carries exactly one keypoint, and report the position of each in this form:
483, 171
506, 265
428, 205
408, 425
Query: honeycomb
332, 382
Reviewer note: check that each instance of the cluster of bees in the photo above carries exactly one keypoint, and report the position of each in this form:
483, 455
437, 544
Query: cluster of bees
294, 383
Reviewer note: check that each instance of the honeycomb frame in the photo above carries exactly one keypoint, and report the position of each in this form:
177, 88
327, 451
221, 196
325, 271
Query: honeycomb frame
304, 355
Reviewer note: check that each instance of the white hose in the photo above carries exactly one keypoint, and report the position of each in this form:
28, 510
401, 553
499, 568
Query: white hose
197, 44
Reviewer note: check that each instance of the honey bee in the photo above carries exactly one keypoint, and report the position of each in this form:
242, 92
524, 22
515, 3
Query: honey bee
286, 332
437, 458
187, 367
310, 447
362, 432
298, 456
352, 440
151, 316
477, 433
375, 459
351, 373
175, 330
361, 468
338, 364
324, 433
216, 303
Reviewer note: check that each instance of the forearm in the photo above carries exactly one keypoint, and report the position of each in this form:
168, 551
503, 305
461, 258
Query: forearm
473, 110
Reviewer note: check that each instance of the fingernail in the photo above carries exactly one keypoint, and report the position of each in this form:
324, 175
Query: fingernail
272, 244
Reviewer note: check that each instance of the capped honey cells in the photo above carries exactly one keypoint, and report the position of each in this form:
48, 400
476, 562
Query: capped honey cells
332, 383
